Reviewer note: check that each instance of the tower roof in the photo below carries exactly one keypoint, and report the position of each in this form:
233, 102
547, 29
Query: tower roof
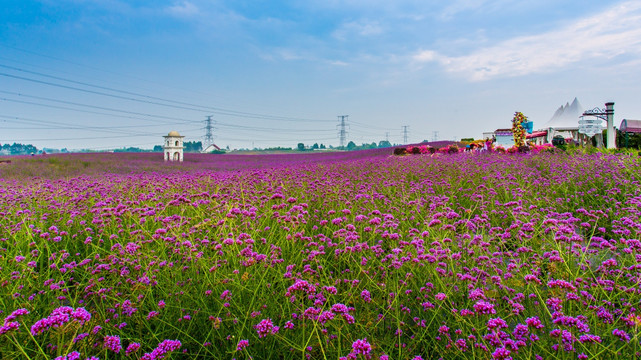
173, 133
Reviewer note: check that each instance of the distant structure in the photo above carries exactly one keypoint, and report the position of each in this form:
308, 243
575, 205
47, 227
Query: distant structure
342, 133
210, 148
208, 143
405, 127
564, 122
503, 137
173, 146
630, 126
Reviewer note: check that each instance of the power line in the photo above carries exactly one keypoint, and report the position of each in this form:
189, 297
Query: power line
89, 67
75, 138
88, 106
153, 116
64, 126
84, 111
65, 82
152, 99
368, 126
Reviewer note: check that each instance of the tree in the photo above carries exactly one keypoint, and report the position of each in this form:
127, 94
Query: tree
193, 146
157, 148
322, 146
351, 145
315, 146
19, 149
301, 147
384, 144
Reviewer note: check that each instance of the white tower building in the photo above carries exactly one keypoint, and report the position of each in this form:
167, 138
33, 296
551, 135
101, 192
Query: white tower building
173, 146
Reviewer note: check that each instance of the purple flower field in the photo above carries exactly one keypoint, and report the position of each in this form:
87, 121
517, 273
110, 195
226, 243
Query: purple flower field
357, 255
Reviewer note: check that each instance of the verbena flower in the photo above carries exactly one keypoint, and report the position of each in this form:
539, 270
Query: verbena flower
112, 342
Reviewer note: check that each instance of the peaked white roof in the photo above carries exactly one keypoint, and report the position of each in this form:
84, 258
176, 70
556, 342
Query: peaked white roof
566, 116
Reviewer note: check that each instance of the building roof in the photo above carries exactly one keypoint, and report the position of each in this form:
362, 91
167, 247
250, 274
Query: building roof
173, 133
536, 134
629, 125
503, 132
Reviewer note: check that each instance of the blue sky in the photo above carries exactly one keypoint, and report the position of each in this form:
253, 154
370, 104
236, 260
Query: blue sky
111, 73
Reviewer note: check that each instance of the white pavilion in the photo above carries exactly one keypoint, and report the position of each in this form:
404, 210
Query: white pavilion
173, 146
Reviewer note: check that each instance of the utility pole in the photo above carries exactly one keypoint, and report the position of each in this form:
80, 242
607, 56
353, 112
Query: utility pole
342, 133
209, 137
405, 127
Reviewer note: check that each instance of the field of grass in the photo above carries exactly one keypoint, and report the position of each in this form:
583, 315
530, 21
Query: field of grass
355, 255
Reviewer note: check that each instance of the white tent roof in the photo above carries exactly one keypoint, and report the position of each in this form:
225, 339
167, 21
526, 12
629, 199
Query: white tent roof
566, 117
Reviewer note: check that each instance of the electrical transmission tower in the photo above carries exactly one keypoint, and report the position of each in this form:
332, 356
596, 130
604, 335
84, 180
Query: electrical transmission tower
405, 127
209, 137
342, 133
434, 135
387, 136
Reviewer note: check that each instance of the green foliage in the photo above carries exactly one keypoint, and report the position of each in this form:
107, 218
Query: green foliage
193, 146
130, 149
351, 145
628, 140
18, 149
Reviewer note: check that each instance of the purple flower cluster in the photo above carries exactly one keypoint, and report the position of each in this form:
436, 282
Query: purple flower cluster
8, 324
162, 349
484, 307
59, 317
112, 342
132, 348
241, 345
266, 327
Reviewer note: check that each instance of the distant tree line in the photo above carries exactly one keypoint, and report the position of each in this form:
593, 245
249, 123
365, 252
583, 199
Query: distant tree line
350, 146
132, 149
364, 146
18, 149
189, 146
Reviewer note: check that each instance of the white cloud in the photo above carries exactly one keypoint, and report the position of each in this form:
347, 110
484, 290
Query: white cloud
604, 36
183, 8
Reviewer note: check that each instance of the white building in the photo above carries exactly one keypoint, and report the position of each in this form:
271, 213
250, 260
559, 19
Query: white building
173, 146
504, 137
